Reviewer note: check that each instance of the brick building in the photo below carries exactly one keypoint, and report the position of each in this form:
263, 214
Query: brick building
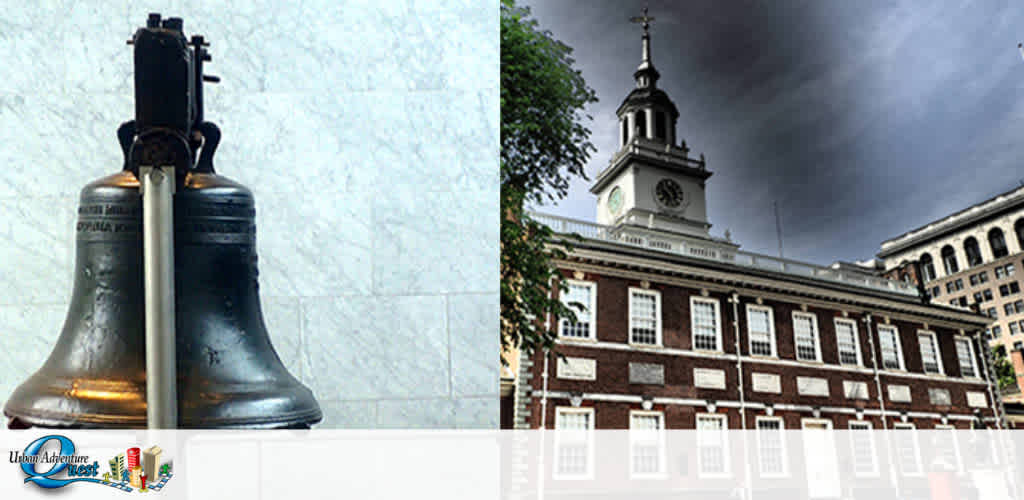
681, 329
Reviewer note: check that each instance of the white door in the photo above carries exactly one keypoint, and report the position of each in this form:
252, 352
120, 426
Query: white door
820, 458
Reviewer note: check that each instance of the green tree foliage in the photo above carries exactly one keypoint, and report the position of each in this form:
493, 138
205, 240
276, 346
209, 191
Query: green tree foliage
543, 146
1003, 368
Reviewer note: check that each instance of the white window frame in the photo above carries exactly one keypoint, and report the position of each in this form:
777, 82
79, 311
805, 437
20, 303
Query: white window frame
647, 438
718, 323
959, 465
856, 341
592, 330
657, 315
901, 426
899, 347
771, 331
574, 436
970, 349
869, 429
723, 442
784, 456
938, 352
817, 337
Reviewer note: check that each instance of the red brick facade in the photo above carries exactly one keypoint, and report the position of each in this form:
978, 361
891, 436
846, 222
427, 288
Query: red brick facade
613, 355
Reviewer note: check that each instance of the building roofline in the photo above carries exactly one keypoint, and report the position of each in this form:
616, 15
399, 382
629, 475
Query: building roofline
952, 222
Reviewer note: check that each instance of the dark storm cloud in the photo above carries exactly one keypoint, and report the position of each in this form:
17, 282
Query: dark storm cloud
862, 119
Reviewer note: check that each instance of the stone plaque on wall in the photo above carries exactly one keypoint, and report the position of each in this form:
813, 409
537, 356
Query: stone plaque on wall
766, 382
577, 368
976, 399
940, 397
855, 390
709, 378
900, 393
812, 386
646, 373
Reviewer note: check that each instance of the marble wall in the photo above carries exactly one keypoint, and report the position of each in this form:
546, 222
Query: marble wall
368, 132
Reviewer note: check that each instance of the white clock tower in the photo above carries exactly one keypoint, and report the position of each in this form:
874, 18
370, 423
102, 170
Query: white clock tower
651, 185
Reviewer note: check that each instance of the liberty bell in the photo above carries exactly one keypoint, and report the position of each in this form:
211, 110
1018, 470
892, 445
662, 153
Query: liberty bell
164, 327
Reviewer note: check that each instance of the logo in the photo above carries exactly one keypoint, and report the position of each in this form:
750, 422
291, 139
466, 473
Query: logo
135, 469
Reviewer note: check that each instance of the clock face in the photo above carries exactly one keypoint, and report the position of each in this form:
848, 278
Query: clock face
615, 200
668, 193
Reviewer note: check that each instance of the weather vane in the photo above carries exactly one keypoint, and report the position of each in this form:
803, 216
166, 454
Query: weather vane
644, 19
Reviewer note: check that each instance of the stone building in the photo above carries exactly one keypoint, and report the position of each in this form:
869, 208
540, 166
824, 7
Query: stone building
681, 329
970, 258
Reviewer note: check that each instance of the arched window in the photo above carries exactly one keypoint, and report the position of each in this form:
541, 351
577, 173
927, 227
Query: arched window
949, 260
1018, 228
997, 243
625, 129
973, 251
641, 123
927, 268
659, 125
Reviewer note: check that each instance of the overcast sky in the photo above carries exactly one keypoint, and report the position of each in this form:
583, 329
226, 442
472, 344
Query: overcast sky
862, 119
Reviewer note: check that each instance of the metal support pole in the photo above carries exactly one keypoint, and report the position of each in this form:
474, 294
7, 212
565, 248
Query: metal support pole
158, 264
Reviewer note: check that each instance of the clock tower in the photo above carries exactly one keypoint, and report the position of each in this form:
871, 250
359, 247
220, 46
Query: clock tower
651, 184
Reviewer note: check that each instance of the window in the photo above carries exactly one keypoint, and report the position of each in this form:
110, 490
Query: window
584, 294
625, 129
1009, 288
1018, 345
574, 456
997, 331
889, 343
1000, 272
991, 312
647, 448
930, 356
771, 447
641, 123
712, 447
908, 451
805, 336
1018, 227
974, 279
1018, 306
1014, 329
949, 260
997, 243
644, 317
947, 447
927, 267
659, 125
973, 251
936, 291
761, 330
707, 331
1008, 309
983, 277
978, 297
949, 287
846, 339
862, 447
965, 357
987, 294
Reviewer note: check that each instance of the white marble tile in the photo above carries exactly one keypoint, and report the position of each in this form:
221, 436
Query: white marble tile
376, 347
281, 315
435, 242
31, 39
94, 53
33, 251
470, 47
416, 414
434, 141
477, 413
28, 335
314, 246
348, 414
473, 329
303, 143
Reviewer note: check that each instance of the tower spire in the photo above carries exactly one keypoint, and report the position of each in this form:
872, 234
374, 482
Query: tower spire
645, 74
